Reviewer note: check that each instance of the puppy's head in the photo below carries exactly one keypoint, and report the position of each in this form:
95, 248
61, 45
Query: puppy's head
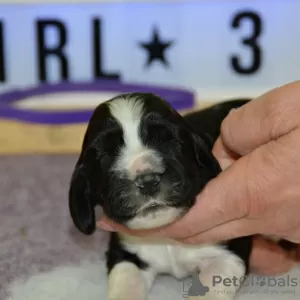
140, 162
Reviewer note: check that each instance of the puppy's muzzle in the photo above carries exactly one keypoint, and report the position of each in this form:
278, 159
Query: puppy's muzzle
148, 183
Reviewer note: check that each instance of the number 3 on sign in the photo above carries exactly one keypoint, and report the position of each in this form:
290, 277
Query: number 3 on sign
250, 41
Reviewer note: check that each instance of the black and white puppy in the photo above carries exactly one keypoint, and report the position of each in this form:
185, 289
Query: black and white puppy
144, 163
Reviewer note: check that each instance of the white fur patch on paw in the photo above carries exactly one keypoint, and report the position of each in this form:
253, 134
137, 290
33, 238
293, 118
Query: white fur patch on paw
126, 282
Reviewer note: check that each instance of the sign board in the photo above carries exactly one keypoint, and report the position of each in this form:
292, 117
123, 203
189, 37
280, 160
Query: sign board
198, 45
209, 49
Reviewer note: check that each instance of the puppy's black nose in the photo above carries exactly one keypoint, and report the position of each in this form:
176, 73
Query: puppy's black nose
148, 183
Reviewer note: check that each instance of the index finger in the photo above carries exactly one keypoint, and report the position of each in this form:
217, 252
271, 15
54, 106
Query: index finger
265, 118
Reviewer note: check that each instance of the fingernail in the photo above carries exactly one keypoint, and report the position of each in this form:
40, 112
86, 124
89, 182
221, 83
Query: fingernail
105, 226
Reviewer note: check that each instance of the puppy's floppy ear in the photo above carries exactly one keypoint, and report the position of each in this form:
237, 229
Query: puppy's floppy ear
81, 205
204, 157
84, 191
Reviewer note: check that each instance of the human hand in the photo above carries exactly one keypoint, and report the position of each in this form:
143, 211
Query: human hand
258, 191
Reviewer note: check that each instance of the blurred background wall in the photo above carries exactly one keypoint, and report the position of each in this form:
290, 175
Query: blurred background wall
60, 58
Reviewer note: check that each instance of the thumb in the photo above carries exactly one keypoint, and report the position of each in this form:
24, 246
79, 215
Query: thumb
261, 120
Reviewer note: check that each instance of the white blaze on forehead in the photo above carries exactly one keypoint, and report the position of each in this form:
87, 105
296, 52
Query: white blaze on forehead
134, 156
128, 112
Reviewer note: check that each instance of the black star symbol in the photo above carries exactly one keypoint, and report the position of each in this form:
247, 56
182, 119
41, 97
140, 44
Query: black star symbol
156, 48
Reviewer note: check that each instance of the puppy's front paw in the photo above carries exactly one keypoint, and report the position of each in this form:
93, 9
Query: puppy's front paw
127, 282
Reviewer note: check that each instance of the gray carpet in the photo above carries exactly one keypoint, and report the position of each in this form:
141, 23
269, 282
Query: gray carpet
36, 232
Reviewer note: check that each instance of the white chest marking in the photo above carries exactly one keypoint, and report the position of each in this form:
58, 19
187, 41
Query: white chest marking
172, 258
